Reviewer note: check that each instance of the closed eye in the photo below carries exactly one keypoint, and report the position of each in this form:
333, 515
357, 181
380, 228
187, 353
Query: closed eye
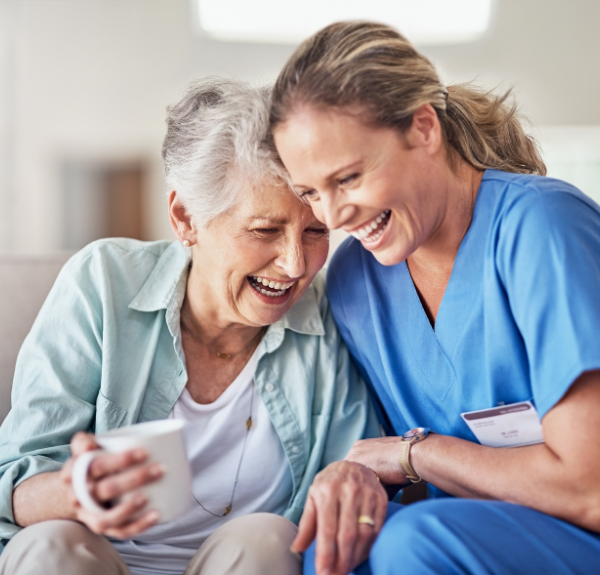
266, 231
309, 195
347, 180
318, 231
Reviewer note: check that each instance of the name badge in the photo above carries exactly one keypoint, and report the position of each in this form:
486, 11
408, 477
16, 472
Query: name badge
512, 425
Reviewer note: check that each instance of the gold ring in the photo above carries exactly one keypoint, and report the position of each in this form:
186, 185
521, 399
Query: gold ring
366, 520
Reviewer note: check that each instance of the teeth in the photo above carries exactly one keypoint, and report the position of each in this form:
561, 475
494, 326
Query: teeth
366, 232
279, 286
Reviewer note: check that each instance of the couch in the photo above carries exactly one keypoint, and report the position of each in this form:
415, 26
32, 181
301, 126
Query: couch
24, 284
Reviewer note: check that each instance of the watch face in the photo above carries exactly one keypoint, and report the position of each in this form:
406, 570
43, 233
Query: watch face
414, 432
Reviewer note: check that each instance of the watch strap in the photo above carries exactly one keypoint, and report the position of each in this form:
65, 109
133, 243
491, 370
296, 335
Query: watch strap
407, 468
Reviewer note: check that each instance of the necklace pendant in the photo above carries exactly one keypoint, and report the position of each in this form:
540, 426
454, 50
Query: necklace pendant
227, 510
223, 355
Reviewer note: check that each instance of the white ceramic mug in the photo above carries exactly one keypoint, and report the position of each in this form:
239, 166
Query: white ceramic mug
163, 440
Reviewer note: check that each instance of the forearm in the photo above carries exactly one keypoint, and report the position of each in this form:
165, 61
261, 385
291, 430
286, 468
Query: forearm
41, 498
533, 476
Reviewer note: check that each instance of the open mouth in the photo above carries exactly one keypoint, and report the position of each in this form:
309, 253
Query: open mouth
269, 288
372, 230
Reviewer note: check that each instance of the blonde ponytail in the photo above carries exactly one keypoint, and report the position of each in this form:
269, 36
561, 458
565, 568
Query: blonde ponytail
486, 131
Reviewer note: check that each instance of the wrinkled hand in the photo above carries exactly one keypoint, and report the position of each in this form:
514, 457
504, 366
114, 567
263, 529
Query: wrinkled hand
340, 494
380, 454
111, 476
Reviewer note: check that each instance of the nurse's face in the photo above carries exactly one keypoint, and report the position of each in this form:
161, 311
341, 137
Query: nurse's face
375, 183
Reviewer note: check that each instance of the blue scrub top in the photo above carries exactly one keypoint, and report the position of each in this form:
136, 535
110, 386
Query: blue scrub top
520, 318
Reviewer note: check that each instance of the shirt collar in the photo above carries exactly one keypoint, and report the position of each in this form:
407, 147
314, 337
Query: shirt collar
165, 286
165, 289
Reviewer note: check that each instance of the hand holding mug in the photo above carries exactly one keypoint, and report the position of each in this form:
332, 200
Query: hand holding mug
139, 471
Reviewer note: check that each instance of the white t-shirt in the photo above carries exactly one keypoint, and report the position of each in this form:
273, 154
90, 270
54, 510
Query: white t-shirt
214, 436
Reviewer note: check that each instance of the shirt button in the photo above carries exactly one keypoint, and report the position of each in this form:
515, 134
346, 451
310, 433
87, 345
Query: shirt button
295, 449
269, 387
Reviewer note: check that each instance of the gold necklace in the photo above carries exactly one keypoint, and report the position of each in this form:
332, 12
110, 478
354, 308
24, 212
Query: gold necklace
219, 353
237, 475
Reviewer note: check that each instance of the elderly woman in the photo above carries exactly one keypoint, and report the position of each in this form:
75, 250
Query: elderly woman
229, 322
469, 298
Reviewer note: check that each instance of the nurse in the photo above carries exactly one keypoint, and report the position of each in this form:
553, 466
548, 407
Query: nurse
470, 283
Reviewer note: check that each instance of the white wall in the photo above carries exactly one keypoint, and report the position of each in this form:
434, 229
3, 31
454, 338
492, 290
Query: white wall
91, 79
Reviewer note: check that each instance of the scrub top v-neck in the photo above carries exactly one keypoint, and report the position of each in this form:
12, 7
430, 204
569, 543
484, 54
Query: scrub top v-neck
520, 318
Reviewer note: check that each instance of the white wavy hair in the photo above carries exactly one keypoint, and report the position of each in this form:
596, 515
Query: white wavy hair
218, 145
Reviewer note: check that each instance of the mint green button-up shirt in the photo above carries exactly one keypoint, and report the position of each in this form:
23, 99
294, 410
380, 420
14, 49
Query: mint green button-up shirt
105, 351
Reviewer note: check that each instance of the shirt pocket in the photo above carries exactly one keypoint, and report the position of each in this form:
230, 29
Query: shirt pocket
108, 414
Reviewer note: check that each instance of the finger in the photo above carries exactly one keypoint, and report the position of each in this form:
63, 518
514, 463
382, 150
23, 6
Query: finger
83, 442
366, 535
327, 526
118, 484
136, 527
348, 535
66, 471
376, 509
108, 463
118, 516
307, 528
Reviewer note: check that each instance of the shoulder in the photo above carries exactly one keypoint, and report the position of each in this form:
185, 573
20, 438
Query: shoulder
345, 270
520, 194
531, 208
115, 252
117, 265
346, 258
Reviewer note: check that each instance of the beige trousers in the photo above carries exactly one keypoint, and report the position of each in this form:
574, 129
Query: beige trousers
257, 544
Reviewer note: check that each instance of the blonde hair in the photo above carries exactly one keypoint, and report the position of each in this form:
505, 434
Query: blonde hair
374, 68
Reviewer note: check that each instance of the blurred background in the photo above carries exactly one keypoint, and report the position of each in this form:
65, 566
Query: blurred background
84, 85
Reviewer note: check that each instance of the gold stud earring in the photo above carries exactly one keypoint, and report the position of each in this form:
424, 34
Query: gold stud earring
186, 243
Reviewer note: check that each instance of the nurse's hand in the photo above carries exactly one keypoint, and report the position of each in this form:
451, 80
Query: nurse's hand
339, 495
111, 476
382, 455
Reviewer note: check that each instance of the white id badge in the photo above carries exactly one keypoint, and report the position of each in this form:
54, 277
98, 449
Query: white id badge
512, 425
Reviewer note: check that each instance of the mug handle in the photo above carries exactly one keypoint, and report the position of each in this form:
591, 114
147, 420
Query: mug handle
79, 481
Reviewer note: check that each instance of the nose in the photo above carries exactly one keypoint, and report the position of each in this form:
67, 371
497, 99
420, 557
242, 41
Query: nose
291, 258
331, 210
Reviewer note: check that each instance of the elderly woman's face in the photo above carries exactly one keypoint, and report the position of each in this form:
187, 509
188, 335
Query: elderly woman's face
258, 259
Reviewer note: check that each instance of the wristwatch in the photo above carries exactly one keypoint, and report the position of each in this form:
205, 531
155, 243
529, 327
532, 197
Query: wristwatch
410, 437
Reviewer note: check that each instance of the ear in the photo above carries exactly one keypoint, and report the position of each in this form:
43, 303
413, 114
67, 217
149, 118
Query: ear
425, 130
181, 221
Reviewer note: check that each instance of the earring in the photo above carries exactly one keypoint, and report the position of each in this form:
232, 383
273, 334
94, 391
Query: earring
186, 243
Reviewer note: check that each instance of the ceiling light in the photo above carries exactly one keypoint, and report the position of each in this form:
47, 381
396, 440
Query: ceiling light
289, 22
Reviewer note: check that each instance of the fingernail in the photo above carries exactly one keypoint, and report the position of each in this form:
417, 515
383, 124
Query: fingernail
139, 454
153, 516
139, 499
156, 470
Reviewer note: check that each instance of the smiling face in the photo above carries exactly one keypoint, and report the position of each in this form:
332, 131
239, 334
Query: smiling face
255, 262
380, 186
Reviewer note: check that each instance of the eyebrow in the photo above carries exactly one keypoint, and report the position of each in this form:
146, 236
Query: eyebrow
334, 173
277, 220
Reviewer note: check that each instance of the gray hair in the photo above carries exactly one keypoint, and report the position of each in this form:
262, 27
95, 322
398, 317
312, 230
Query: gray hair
218, 144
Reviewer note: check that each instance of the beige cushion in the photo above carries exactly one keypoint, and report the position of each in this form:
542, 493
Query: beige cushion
24, 284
